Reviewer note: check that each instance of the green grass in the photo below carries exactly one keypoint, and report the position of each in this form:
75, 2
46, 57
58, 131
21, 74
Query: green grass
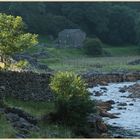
101, 64
36, 108
127, 50
6, 130
72, 59
52, 131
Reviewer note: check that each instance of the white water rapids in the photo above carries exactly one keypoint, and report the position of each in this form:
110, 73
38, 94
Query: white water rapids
129, 115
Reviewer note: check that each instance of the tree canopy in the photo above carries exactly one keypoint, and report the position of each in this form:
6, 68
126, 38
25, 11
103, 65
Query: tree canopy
113, 23
12, 37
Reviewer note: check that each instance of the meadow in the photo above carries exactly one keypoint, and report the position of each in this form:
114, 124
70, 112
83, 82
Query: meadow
73, 59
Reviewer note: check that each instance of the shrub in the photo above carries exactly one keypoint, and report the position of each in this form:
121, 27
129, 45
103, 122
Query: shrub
72, 103
93, 46
67, 85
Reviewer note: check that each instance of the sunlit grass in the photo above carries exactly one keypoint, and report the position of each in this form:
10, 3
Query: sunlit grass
36, 108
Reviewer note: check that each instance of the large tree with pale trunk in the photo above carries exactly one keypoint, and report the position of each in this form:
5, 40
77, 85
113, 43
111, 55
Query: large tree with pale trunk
13, 38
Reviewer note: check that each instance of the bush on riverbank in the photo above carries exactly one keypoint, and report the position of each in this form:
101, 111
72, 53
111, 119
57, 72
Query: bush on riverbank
72, 102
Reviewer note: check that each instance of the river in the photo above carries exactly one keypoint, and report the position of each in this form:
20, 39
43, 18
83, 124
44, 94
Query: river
128, 115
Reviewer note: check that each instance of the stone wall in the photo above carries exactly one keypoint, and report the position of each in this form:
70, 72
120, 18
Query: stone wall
32, 86
26, 85
104, 78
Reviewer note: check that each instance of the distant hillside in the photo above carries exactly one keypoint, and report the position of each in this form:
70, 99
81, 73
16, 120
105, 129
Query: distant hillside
114, 23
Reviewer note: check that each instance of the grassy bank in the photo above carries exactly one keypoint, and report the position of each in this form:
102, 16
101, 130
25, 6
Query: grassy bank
6, 130
72, 59
36, 109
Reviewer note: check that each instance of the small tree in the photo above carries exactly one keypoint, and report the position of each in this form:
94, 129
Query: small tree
13, 39
93, 46
73, 103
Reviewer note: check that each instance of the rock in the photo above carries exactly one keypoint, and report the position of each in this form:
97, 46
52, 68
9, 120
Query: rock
22, 124
97, 93
122, 104
104, 83
105, 105
121, 108
101, 127
2, 88
122, 90
106, 114
103, 88
135, 62
104, 135
12, 117
22, 114
123, 96
110, 102
20, 136
131, 104
92, 118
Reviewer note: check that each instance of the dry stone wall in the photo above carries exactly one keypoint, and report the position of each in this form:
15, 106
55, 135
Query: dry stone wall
26, 85
33, 86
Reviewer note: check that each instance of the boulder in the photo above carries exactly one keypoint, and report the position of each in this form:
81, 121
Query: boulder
122, 104
101, 127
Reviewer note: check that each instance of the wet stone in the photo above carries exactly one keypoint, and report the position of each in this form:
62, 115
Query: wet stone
122, 104
98, 93
103, 88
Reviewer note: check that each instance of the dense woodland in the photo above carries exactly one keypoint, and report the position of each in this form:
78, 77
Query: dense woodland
113, 23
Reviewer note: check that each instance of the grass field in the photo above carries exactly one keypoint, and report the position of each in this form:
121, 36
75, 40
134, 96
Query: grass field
72, 59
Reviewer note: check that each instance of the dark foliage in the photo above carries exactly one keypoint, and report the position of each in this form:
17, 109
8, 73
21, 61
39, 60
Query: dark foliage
93, 46
114, 23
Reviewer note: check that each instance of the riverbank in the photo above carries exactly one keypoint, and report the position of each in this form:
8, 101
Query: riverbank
25, 86
124, 106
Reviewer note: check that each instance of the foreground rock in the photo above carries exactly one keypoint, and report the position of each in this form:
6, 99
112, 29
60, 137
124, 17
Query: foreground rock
103, 107
134, 90
23, 122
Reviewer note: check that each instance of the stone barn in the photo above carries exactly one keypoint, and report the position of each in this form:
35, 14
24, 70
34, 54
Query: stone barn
71, 38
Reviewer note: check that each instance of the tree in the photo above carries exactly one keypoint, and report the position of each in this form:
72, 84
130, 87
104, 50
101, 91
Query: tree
93, 46
13, 39
72, 101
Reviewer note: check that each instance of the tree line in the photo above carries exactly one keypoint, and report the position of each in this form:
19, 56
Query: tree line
114, 23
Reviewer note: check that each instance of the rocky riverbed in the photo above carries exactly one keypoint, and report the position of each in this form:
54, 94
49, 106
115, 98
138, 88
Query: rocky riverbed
125, 107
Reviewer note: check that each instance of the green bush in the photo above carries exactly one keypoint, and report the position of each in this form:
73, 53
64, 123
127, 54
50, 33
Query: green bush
72, 103
67, 85
93, 46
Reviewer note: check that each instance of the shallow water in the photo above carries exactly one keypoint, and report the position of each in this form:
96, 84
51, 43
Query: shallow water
129, 117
